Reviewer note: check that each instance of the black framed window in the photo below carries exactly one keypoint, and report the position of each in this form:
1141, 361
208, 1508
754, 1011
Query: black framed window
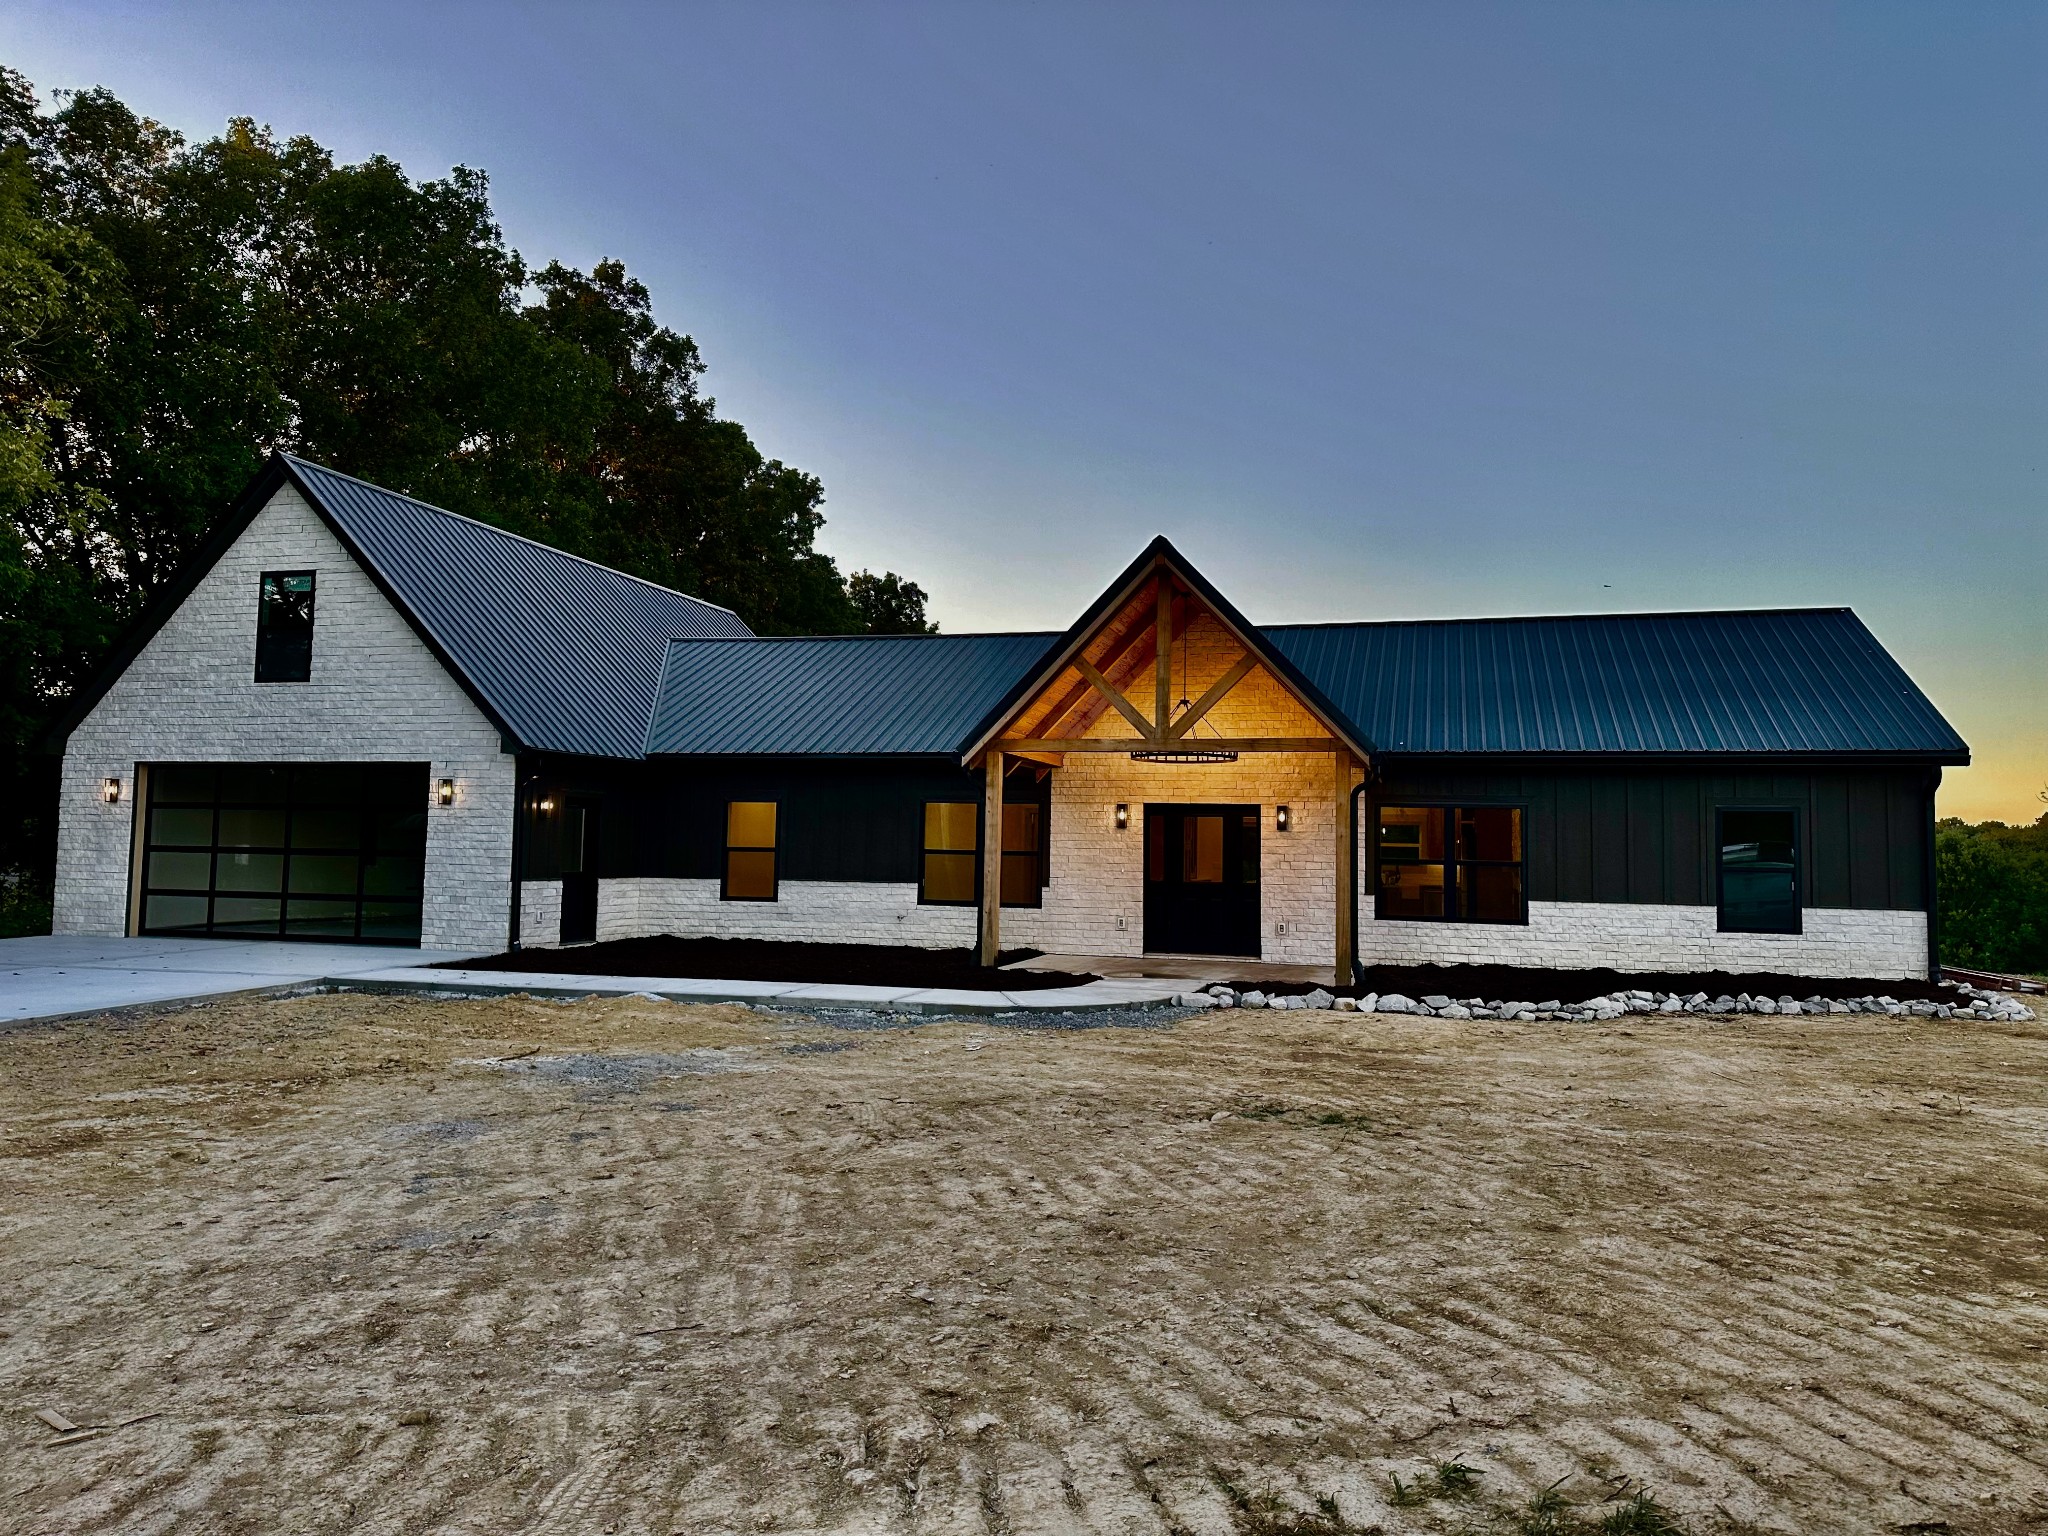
1023, 859
1759, 869
750, 873
1451, 864
952, 839
284, 627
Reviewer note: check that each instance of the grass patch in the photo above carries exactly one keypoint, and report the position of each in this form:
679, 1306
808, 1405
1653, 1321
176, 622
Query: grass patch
1265, 1513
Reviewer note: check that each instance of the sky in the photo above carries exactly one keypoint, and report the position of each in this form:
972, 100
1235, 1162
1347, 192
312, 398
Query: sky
1377, 311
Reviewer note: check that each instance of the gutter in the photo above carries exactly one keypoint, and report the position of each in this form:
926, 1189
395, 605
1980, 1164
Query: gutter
1931, 883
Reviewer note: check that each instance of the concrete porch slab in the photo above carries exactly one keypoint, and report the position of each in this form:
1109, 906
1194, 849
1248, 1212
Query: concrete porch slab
1200, 969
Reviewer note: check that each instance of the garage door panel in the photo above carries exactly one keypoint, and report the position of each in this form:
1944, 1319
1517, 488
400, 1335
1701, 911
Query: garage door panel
319, 851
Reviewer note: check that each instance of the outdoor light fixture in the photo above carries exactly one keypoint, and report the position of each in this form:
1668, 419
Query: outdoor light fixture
110, 791
545, 805
1123, 818
1282, 820
444, 792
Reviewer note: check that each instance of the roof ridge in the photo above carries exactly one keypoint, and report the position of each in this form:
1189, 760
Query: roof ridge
464, 517
968, 634
1562, 618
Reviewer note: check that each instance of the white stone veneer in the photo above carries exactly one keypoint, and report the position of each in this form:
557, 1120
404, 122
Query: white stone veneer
376, 695
1583, 935
812, 911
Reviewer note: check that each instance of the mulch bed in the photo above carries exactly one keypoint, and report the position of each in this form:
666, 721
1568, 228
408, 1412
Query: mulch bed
870, 965
1507, 982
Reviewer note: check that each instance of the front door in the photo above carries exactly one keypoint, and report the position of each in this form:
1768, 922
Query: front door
1202, 879
579, 872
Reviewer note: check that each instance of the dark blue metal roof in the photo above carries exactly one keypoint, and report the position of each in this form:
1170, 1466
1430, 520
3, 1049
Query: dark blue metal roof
566, 652
1785, 681
880, 694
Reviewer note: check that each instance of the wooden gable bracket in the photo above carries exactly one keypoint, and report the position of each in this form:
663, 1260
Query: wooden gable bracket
1214, 696
1145, 728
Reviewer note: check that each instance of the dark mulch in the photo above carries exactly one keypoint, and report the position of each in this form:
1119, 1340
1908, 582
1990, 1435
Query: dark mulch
871, 965
1508, 983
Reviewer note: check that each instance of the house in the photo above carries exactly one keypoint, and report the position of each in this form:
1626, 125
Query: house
358, 717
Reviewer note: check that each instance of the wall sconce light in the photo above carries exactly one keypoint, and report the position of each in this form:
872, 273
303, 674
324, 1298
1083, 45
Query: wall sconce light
1123, 818
1283, 820
110, 791
444, 792
545, 805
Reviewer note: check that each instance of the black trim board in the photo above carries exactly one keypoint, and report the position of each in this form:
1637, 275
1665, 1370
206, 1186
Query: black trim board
276, 472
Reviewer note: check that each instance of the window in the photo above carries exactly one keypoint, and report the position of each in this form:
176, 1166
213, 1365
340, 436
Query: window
1759, 871
1021, 860
749, 850
284, 627
951, 835
1449, 863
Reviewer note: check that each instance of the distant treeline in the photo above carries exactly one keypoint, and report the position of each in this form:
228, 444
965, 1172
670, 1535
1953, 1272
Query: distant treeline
1994, 895
172, 312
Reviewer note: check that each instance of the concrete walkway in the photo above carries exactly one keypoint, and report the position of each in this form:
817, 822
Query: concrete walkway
66, 977
62, 976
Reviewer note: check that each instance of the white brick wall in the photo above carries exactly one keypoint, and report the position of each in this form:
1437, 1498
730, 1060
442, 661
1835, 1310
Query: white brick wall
1582, 935
1098, 873
813, 911
376, 695
540, 913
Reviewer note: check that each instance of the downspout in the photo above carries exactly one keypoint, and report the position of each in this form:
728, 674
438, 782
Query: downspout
1931, 883
1357, 873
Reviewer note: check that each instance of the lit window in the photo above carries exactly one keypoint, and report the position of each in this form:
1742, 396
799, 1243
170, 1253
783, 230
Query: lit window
951, 835
1459, 864
284, 627
1759, 872
749, 850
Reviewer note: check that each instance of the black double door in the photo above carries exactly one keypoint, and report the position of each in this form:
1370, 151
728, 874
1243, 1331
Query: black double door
1202, 879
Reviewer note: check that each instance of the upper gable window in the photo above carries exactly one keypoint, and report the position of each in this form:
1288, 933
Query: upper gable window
284, 628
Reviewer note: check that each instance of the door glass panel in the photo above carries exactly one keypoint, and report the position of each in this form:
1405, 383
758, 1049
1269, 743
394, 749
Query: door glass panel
575, 833
1248, 849
320, 919
1020, 880
323, 874
181, 783
193, 826
394, 922
326, 826
174, 912
262, 828
253, 784
1201, 861
181, 871
1155, 848
328, 784
391, 875
249, 872
233, 912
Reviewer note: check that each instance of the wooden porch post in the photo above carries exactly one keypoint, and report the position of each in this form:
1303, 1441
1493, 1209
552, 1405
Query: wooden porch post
992, 858
1344, 771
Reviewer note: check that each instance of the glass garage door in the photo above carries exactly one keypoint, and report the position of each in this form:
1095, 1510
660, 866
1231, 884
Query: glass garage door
333, 851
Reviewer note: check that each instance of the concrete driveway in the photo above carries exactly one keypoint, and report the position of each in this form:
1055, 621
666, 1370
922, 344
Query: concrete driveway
59, 976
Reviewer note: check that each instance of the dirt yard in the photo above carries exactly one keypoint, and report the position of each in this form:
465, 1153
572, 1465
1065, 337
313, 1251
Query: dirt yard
387, 1265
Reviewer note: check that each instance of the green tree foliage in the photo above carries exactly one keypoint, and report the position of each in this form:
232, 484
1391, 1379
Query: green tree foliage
1994, 895
171, 313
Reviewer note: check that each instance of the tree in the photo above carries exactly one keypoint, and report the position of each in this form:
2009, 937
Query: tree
1994, 895
889, 605
172, 313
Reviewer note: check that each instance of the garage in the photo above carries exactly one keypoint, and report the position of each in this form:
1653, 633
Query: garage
317, 851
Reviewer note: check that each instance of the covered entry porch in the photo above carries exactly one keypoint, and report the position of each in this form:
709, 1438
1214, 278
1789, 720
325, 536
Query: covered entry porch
1201, 792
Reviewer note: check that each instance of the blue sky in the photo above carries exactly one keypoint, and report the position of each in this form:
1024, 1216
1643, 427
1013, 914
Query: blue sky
1377, 311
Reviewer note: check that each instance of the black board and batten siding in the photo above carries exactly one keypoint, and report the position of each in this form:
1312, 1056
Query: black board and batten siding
1646, 835
838, 819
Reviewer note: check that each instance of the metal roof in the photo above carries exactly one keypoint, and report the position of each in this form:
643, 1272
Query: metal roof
566, 652
1774, 681
846, 694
